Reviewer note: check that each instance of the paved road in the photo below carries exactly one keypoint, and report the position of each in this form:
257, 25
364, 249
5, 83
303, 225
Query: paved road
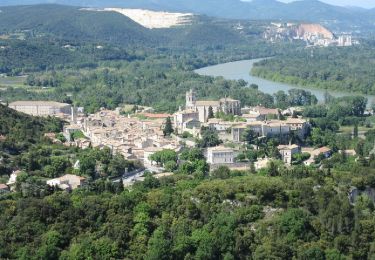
130, 179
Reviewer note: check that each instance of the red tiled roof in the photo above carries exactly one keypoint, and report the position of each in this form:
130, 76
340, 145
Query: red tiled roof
3, 186
150, 115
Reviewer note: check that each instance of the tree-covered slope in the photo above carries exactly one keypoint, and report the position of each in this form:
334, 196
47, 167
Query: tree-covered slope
349, 69
74, 24
22, 131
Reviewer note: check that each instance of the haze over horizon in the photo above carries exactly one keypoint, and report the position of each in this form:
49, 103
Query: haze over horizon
359, 3
354, 3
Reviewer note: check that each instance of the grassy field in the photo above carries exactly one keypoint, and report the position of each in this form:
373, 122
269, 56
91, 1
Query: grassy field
19, 82
361, 129
16, 82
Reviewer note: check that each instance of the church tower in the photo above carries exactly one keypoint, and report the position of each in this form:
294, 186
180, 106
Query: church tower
191, 98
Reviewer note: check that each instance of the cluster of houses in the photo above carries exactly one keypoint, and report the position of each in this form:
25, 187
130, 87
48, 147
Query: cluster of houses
263, 122
67, 182
140, 136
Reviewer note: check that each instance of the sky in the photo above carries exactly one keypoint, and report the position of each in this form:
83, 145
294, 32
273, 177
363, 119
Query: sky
361, 3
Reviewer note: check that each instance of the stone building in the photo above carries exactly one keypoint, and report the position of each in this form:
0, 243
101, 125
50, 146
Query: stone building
41, 108
225, 105
67, 182
182, 119
287, 152
220, 155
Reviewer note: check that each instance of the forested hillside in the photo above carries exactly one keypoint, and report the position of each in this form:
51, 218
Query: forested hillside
18, 57
76, 26
350, 69
288, 213
22, 130
313, 11
160, 81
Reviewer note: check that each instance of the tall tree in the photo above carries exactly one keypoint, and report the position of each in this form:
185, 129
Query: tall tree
210, 112
168, 128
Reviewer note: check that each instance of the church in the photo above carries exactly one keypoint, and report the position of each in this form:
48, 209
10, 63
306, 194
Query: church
226, 105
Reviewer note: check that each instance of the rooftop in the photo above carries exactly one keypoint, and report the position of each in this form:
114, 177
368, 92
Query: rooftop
287, 147
295, 121
38, 103
3, 186
207, 103
69, 177
220, 148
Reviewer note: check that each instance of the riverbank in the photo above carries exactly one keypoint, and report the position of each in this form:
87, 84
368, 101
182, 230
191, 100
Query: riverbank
241, 70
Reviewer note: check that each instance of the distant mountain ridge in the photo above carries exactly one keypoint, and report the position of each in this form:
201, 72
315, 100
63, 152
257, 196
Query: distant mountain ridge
304, 10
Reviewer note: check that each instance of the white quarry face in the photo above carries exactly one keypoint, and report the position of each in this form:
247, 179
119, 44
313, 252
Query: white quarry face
153, 19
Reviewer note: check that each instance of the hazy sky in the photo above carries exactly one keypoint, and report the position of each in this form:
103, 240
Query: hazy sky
362, 3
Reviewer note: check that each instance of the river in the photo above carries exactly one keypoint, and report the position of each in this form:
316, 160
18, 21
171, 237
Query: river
241, 70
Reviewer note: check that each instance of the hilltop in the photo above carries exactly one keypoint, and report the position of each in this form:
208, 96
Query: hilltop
76, 25
305, 10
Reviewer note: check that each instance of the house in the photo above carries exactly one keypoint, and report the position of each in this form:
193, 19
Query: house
326, 151
181, 117
252, 117
299, 125
220, 155
275, 128
69, 130
4, 188
219, 124
287, 152
192, 124
261, 163
348, 152
67, 182
265, 113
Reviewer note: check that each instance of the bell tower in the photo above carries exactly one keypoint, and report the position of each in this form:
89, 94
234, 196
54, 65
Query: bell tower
191, 98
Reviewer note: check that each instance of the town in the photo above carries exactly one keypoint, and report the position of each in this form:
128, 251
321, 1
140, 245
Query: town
139, 133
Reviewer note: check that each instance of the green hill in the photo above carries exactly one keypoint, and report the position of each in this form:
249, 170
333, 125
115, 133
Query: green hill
306, 10
72, 24
22, 131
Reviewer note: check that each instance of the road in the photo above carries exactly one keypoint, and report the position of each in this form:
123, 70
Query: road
130, 178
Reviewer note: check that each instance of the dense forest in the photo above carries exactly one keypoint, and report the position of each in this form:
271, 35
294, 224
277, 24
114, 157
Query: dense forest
349, 69
75, 26
125, 75
279, 213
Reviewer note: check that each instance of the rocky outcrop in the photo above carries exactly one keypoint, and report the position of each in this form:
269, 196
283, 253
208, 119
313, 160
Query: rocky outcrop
153, 19
305, 30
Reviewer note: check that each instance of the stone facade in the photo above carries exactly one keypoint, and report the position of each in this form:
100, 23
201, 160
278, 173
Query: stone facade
182, 119
287, 152
41, 108
220, 155
67, 182
225, 105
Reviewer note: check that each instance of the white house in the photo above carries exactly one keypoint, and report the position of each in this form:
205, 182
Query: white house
220, 155
67, 182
